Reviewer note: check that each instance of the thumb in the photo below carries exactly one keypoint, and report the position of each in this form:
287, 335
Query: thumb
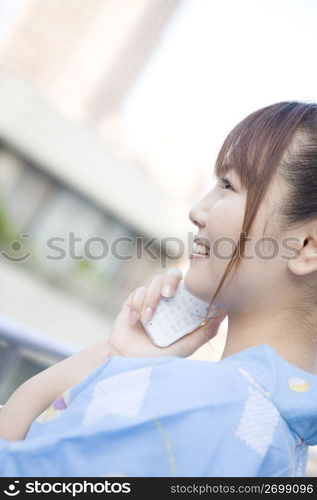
212, 324
211, 327
222, 313
198, 337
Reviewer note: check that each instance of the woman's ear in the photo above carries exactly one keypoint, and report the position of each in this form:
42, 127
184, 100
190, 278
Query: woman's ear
306, 259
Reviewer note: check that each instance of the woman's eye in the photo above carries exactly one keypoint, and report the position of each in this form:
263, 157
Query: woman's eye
226, 184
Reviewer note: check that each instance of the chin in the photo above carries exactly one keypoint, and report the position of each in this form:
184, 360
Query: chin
193, 284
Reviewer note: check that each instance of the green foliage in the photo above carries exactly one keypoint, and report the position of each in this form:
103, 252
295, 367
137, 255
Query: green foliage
7, 232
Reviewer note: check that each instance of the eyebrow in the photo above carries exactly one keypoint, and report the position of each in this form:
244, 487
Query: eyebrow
225, 168
233, 173
224, 174
232, 176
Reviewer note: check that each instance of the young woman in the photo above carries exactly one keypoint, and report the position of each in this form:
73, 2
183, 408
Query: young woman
126, 407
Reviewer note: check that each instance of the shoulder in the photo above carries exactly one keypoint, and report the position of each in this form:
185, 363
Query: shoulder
193, 381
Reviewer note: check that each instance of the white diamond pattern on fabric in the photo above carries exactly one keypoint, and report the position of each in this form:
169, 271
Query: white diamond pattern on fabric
301, 466
121, 394
258, 422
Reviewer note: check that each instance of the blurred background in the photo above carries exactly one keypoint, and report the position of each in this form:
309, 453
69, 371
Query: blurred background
112, 115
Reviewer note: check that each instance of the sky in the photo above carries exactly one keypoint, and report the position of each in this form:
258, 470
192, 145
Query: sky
8, 11
218, 61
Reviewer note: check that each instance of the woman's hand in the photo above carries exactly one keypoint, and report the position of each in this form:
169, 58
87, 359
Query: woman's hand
129, 338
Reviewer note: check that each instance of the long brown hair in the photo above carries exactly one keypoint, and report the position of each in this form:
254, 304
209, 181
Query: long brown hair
255, 150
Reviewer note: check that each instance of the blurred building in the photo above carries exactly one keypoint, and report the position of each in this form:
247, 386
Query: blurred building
57, 178
86, 55
66, 68
86, 58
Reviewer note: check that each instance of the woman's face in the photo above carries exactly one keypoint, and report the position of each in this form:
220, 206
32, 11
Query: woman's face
219, 216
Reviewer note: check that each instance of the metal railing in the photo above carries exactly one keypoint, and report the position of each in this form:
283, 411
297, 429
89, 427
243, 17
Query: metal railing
18, 336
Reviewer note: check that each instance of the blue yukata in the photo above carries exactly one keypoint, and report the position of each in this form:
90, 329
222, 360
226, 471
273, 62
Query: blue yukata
249, 414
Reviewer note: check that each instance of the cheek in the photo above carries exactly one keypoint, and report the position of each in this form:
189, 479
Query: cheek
225, 218
223, 224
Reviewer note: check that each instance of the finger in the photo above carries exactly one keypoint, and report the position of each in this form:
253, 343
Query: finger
152, 298
171, 281
155, 291
124, 314
128, 301
136, 303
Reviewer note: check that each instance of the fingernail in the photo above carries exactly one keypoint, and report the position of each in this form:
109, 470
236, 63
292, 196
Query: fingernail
167, 290
147, 315
133, 317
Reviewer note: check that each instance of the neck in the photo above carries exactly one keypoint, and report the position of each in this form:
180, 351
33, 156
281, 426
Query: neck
293, 338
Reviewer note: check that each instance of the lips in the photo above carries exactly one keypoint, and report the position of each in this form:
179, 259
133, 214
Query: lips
201, 246
202, 241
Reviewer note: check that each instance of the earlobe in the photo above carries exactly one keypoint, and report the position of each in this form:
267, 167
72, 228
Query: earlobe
306, 260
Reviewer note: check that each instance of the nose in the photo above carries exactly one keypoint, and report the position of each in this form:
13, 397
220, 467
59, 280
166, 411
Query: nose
198, 212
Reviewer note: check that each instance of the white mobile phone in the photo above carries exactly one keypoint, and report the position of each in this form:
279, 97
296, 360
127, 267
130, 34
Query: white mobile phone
177, 316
